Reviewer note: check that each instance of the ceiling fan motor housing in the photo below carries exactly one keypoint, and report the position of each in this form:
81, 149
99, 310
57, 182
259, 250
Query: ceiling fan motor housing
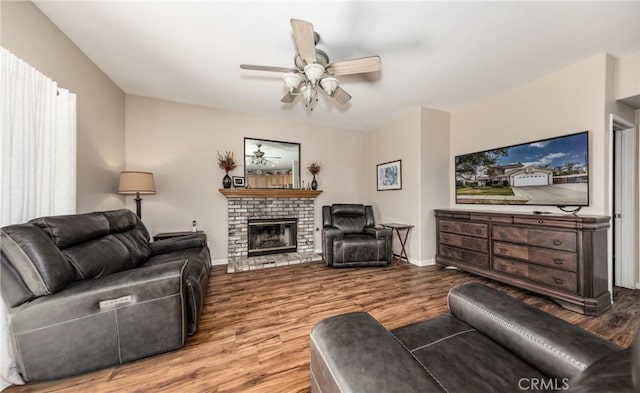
321, 58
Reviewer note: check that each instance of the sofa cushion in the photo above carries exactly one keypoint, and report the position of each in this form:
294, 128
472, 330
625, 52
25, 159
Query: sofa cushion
40, 264
65, 231
99, 243
462, 359
359, 248
349, 218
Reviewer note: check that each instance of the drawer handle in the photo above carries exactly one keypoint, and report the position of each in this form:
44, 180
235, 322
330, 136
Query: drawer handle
540, 221
502, 235
558, 261
503, 250
557, 242
445, 227
503, 267
558, 280
478, 231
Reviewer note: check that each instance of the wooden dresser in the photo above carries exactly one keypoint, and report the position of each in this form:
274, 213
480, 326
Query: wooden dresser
557, 255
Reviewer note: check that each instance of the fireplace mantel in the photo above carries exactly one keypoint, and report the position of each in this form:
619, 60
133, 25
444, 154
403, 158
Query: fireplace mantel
268, 193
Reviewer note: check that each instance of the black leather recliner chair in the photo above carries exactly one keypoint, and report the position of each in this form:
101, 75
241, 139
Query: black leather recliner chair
88, 291
350, 238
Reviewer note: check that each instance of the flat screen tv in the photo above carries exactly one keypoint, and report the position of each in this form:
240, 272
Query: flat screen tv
548, 172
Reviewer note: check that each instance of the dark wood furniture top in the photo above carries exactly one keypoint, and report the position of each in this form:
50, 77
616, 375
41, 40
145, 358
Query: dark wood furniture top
268, 193
563, 256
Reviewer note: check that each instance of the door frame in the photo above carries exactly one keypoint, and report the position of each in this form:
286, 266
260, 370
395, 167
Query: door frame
624, 268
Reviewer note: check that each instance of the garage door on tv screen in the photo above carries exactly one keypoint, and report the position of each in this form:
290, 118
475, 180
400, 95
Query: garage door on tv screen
551, 172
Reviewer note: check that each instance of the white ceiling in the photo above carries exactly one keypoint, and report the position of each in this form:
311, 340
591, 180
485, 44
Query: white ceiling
442, 55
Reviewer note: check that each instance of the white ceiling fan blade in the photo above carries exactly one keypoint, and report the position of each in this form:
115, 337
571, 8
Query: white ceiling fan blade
305, 41
341, 96
355, 66
265, 68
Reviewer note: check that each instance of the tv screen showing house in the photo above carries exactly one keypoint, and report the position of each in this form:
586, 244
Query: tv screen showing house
553, 172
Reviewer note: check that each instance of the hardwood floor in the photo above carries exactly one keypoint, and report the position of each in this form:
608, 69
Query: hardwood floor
254, 334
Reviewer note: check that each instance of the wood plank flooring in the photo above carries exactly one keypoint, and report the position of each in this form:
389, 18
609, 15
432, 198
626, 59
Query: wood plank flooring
254, 334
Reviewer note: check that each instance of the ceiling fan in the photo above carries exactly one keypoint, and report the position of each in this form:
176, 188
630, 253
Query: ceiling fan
312, 68
259, 158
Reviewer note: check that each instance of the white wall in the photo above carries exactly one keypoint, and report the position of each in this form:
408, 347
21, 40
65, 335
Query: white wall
31, 36
397, 139
178, 143
420, 138
434, 176
574, 99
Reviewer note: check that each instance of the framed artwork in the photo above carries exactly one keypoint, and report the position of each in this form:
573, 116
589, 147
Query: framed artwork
238, 181
389, 175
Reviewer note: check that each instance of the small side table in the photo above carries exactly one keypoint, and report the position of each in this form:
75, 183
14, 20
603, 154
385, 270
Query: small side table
168, 235
403, 241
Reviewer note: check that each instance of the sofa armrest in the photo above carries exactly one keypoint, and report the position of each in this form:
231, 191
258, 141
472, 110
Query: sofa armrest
101, 322
355, 353
329, 235
380, 233
178, 243
550, 344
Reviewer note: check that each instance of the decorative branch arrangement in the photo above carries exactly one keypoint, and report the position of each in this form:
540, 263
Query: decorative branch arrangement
227, 162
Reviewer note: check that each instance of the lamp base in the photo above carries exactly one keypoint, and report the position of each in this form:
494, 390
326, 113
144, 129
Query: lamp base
138, 205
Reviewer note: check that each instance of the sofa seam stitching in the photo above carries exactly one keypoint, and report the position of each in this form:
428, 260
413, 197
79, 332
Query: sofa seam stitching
442, 339
420, 363
325, 362
521, 331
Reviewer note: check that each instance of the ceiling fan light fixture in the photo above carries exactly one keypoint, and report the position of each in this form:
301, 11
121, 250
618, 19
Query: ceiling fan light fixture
329, 84
313, 72
292, 80
308, 92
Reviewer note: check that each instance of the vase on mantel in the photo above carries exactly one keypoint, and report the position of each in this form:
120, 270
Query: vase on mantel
226, 181
314, 183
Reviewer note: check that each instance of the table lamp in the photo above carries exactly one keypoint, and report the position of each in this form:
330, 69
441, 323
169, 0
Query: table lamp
132, 182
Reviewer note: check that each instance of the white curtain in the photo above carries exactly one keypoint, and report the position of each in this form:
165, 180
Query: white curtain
37, 162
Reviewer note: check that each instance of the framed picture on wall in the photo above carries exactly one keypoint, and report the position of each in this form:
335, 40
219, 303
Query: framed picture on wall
238, 181
389, 175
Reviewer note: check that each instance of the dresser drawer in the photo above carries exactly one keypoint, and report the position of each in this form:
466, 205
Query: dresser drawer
559, 259
465, 256
557, 240
464, 228
471, 243
554, 258
554, 277
516, 268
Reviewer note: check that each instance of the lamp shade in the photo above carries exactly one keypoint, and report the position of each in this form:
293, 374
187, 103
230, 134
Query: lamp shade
132, 182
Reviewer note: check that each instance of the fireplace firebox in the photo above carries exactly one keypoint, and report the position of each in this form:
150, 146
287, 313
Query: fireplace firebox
272, 236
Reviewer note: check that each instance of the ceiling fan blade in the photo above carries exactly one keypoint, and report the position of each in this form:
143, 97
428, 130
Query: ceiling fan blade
341, 96
288, 98
265, 68
303, 34
355, 66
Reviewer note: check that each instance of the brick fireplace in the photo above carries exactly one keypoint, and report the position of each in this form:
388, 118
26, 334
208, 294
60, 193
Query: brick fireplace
264, 204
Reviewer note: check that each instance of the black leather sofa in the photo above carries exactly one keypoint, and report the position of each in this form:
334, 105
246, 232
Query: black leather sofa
350, 238
89, 291
489, 342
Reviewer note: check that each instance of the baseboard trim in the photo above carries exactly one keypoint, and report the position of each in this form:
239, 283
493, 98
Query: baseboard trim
216, 262
422, 262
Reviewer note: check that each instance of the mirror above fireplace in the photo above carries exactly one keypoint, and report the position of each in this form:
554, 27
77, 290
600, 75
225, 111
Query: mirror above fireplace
271, 164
